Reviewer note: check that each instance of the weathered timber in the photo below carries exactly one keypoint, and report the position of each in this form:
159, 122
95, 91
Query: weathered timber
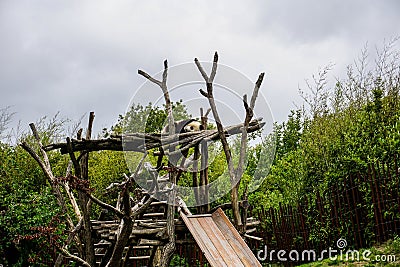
253, 237
251, 230
105, 244
147, 242
152, 225
140, 142
155, 214
139, 258
146, 231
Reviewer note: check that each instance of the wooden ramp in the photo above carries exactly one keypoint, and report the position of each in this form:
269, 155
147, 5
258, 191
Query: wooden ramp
219, 240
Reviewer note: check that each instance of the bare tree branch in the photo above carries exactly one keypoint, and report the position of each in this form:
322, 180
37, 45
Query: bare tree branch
203, 93
75, 162
213, 107
148, 77
5, 119
234, 174
45, 166
249, 116
70, 194
207, 112
214, 68
83, 198
105, 206
71, 236
162, 84
67, 254
202, 71
44, 154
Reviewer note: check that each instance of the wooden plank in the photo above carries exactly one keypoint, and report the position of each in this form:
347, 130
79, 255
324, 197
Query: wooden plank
236, 249
198, 216
102, 245
211, 253
219, 241
103, 222
154, 214
249, 231
234, 238
216, 241
137, 247
147, 242
253, 237
254, 223
139, 258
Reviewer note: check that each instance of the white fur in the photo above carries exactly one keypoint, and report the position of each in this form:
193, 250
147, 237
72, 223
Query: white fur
185, 126
193, 126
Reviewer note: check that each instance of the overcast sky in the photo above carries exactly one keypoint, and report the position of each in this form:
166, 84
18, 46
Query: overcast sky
81, 56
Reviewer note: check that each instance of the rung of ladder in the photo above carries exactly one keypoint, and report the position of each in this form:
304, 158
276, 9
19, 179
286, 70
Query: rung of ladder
139, 258
156, 214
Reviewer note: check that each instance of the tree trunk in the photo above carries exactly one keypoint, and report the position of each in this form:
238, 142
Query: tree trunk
155, 258
122, 239
204, 179
235, 208
84, 201
169, 249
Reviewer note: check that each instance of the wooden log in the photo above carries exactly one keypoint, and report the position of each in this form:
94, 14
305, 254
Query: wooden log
146, 231
152, 225
253, 237
89, 145
149, 242
139, 258
141, 142
155, 214
102, 245
254, 223
251, 230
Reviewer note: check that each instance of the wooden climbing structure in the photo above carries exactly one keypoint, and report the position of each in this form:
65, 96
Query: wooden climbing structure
142, 228
217, 238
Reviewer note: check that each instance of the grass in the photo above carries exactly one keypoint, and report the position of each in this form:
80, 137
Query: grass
387, 254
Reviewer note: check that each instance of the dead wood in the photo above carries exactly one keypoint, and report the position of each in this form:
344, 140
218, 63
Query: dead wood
235, 174
133, 221
129, 142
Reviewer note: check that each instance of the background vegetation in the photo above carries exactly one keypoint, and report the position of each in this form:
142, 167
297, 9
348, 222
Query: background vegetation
340, 129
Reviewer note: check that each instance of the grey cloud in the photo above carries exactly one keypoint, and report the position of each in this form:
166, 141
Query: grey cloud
78, 56
312, 20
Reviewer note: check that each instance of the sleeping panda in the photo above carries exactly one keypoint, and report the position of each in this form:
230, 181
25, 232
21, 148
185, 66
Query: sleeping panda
185, 126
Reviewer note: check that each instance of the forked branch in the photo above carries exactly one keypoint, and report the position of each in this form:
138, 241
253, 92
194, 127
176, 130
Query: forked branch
209, 83
234, 173
168, 249
249, 115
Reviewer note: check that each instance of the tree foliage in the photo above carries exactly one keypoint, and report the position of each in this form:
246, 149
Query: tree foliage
26, 202
341, 129
148, 119
349, 125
